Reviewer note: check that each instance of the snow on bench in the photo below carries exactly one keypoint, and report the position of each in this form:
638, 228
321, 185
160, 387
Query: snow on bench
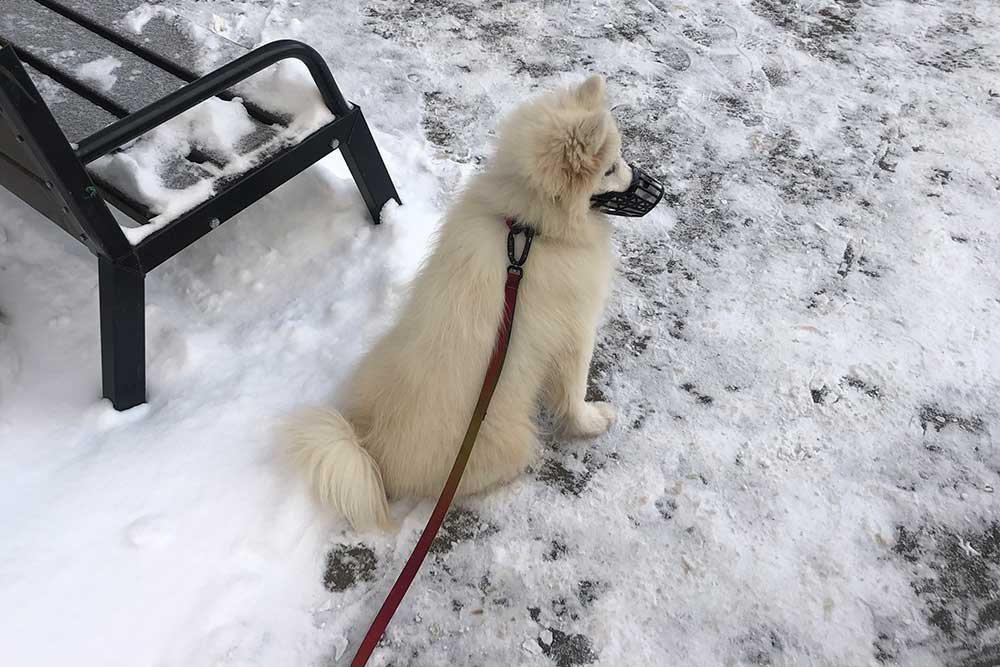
184, 162
97, 109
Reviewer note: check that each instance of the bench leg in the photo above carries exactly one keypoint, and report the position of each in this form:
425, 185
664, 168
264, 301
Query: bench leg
366, 165
123, 334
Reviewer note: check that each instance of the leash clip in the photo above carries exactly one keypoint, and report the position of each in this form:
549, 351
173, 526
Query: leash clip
516, 262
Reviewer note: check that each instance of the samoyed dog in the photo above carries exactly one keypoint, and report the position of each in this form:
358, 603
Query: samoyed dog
410, 400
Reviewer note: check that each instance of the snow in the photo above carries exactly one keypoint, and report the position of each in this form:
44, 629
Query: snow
287, 88
135, 20
801, 343
100, 72
216, 127
139, 496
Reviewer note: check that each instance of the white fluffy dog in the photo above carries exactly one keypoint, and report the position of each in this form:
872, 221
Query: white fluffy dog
410, 400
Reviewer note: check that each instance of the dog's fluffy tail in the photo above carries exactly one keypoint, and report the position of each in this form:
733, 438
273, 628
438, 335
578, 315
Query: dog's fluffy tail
323, 445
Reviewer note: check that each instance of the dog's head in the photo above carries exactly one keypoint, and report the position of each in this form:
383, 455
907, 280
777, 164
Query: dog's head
565, 147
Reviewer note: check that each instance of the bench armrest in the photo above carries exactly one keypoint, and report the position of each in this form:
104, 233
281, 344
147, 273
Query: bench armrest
196, 92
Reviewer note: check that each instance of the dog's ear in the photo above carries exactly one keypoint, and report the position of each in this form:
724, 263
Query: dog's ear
591, 93
573, 152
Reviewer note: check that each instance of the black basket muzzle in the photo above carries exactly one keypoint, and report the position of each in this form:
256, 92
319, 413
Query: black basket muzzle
641, 197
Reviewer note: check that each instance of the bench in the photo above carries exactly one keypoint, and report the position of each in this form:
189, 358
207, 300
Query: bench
63, 129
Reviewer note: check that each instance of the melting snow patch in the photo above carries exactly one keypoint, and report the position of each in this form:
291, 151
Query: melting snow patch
100, 72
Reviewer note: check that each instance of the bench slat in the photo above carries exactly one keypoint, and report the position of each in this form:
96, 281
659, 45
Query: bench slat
109, 20
77, 117
43, 34
165, 39
188, 48
79, 54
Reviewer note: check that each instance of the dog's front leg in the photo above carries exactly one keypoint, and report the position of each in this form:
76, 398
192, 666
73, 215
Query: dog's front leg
566, 392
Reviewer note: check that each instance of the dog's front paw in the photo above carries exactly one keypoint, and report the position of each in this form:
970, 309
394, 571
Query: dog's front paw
590, 420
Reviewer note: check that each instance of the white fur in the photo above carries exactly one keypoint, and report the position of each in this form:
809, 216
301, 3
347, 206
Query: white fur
342, 474
410, 399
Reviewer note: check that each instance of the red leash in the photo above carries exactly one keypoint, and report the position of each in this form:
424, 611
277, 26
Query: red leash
514, 273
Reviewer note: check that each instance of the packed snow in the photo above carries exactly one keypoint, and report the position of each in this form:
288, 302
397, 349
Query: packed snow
801, 341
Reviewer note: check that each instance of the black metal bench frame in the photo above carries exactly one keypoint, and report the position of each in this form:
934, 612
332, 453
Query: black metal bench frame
40, 166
